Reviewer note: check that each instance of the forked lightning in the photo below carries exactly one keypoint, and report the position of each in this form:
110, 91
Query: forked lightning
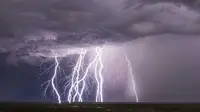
53, 80
78, 83
80, 74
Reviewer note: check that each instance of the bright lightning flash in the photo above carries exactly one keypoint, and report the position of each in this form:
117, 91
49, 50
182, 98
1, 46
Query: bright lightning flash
78, 83
53, 80
80, 74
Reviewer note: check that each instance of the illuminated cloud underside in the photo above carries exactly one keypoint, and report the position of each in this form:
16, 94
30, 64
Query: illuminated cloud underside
54, 27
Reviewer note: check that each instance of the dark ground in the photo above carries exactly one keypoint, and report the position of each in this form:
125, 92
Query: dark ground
4, 107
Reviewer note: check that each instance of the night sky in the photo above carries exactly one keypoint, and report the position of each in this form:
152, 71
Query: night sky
20, 83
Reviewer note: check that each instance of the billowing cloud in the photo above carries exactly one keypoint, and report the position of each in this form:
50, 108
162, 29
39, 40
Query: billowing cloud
53, 27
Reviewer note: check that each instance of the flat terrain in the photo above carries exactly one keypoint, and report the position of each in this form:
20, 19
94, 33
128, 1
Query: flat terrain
4, 107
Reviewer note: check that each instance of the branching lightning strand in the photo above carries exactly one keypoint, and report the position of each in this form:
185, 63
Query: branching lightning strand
53, 80
76, 81
77, 85
133, 79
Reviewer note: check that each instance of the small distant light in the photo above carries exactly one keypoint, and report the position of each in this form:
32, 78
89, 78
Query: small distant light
75, 106
108, 109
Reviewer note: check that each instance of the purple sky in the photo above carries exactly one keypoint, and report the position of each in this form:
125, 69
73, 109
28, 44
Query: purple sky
161, 40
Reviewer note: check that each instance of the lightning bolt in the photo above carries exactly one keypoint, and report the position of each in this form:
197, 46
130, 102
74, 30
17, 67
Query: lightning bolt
53, 80
133, 79
75, 78
98, 76
78, 83
77, 86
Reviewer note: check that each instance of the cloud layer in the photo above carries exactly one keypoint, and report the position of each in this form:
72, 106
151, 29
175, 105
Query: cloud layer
52, 27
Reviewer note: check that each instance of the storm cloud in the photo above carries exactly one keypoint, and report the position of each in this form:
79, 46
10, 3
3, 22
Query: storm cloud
53, 27
161, 38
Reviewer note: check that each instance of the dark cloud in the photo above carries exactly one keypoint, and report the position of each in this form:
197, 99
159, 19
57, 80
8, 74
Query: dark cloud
37, 27
52, 27
194, 4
